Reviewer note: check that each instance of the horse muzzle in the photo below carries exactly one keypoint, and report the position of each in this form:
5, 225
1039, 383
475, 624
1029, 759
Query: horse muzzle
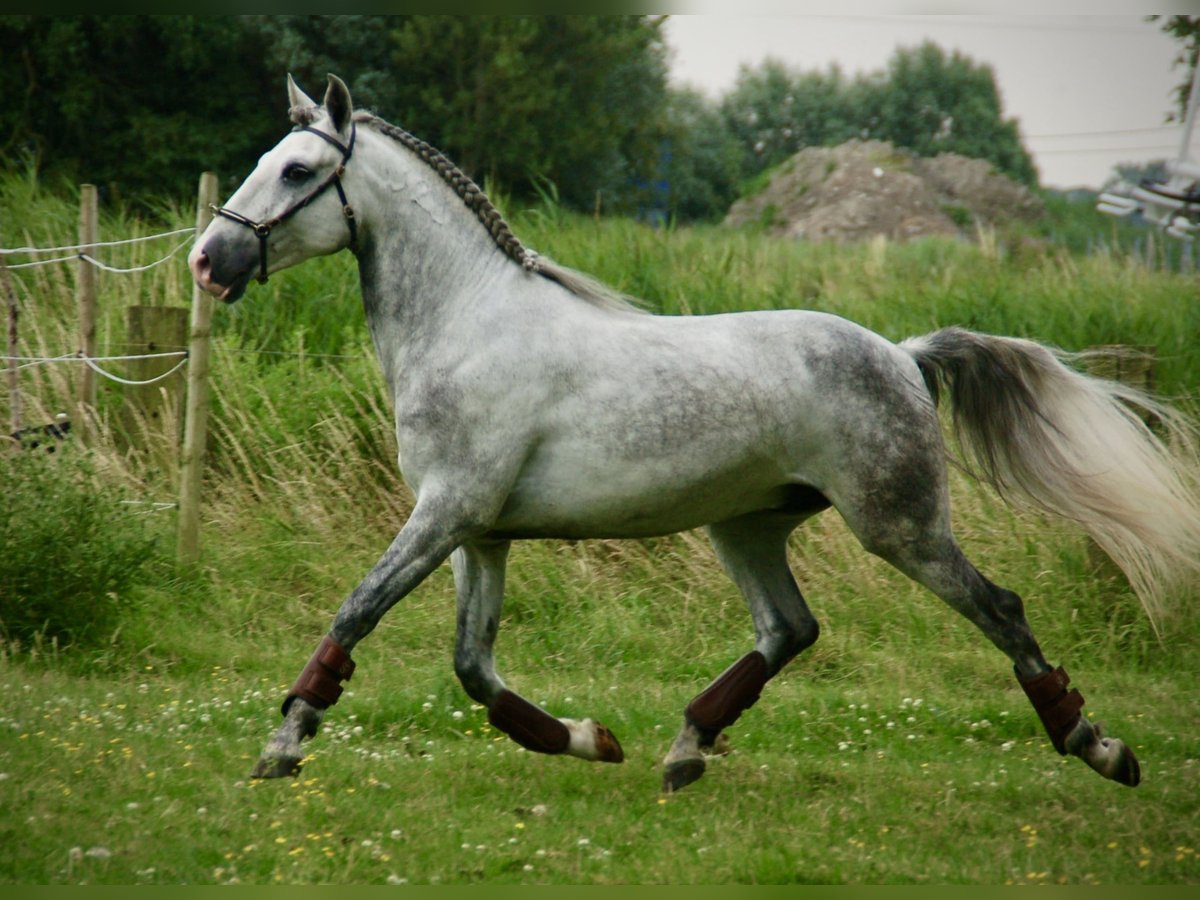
220, 285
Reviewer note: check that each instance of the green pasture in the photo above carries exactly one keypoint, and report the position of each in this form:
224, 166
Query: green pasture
899, 749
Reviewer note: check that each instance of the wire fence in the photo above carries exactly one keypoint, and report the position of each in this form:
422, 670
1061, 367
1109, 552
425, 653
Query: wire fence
147, 329
79, 252
28, 362
90, 255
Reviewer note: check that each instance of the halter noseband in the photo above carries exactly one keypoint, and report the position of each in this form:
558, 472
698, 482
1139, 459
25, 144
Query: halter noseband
262, 230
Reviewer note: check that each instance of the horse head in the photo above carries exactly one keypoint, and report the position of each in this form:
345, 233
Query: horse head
264, 227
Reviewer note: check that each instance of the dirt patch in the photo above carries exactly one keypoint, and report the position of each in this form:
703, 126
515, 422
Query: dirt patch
866, 188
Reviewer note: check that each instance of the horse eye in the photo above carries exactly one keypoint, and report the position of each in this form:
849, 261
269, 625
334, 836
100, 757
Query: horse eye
296, 173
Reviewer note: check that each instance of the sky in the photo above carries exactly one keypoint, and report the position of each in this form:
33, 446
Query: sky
1088, 91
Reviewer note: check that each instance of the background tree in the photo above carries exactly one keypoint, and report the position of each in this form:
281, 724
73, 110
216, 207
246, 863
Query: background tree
931, 103
133, 103
773, 111
1186, 29
358, 49
143, 103
925, 100
1136, 172
578, 100
703, 161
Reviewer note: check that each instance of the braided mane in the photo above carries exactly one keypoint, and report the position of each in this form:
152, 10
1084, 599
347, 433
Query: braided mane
477, 201
468, 191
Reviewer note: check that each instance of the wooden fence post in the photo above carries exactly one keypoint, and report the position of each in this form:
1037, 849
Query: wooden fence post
14, 382
195, 428
153, 410
1134, 365
85, 296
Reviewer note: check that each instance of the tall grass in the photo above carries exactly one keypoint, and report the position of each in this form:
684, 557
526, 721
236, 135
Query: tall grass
1072, 301
302, 449
301, 495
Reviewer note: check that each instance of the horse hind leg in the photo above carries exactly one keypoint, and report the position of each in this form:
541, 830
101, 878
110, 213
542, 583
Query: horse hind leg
753, 552
938, 563
1000, 615
479, 579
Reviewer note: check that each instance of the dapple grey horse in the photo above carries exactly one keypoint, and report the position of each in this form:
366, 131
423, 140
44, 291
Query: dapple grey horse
531, 402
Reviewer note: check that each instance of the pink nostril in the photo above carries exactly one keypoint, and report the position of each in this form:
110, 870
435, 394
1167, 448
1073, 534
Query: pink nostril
201, 266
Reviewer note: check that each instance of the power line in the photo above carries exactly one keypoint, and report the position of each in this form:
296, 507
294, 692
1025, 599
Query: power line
1070, 134
253, 352
972, 21
1160, 147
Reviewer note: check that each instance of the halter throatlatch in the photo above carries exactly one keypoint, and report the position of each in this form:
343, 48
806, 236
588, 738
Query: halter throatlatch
262, 230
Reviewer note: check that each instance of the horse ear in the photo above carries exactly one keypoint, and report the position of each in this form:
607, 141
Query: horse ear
338, 104
299, 103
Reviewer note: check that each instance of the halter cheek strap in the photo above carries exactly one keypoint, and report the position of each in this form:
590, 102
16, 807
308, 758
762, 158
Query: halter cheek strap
262, 230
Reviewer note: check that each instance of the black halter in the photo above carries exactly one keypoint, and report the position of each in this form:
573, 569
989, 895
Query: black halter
263, 229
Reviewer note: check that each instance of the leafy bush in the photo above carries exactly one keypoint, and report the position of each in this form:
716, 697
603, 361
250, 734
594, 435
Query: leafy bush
71, 550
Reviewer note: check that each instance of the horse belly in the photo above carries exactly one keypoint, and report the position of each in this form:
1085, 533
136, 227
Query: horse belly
616, 498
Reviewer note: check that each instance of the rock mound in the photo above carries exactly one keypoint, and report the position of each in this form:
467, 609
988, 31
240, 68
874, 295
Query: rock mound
862, 189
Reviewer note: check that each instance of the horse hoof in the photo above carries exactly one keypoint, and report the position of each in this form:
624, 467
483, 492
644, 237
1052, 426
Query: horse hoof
1126, 771
680, 774
277, 767
1113, 759
592, 741
607, 745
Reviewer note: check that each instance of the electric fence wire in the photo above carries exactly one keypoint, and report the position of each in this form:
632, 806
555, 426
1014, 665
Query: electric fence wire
78, 251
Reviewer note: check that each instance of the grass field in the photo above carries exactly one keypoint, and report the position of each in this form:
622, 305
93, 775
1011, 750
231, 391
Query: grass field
899, 749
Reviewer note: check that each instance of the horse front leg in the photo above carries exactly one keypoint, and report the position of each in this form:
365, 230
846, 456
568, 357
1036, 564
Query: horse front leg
479, 568
431, 533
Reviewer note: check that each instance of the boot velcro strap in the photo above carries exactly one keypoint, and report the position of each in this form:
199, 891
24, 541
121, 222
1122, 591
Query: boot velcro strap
735, 690
1056, 706
530, 726
318, 683
330, 654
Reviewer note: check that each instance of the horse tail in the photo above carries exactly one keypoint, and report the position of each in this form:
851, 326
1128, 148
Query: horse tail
1078, 446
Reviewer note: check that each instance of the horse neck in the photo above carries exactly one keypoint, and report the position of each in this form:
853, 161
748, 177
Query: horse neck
425, 259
